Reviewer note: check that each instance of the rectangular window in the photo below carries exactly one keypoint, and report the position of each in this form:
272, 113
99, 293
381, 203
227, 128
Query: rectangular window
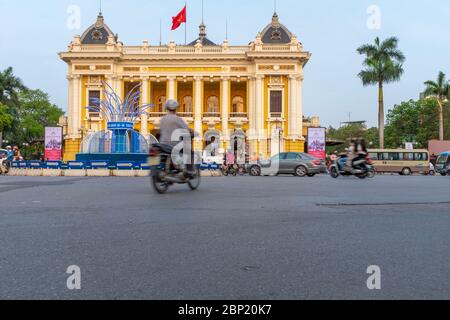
93, 95
276, 103
422, 156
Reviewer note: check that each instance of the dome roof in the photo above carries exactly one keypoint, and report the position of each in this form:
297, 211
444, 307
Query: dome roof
275, 32
98, 33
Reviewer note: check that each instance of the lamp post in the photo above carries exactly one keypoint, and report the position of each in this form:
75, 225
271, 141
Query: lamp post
280, 135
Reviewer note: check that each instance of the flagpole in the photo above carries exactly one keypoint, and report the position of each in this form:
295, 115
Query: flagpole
185, 25
160, 32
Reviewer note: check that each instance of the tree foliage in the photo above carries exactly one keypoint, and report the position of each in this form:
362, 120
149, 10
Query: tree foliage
414, 121
24, 113
347, 132
6, 119
440, 90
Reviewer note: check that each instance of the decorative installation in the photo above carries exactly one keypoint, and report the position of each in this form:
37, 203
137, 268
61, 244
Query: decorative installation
120, 142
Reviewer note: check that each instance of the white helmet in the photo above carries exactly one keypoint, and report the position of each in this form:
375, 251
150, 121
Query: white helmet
172, 105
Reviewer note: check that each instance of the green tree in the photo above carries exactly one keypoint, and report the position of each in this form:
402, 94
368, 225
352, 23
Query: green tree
10, 88
441, 91
5, 118
412, 121
6, 121
36, 113
383, 64
346, 133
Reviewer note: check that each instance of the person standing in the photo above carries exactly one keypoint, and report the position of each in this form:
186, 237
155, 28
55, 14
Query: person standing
17, 155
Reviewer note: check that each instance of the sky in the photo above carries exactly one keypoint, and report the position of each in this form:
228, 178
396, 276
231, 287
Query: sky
33, 32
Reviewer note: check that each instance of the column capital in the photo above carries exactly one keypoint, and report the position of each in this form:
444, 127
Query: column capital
260, 77
225, 78
145, 78
171, 78
198, 78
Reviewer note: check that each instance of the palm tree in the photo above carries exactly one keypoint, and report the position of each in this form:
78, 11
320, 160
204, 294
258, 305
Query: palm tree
441, 90
383, 64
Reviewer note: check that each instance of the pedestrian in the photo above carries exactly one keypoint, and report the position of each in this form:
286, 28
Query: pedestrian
17, 154
433, 159
214, 146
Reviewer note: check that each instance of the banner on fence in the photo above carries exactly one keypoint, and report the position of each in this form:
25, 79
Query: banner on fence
317, 142
53, 143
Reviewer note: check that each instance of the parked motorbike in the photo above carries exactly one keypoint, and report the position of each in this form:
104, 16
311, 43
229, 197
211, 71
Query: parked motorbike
233, 170
431, 171
4, 166
362, 168
165, 173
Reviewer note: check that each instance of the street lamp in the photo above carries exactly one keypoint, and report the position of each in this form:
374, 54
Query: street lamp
280, 135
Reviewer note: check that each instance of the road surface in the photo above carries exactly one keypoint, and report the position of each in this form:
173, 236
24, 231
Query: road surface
234, 238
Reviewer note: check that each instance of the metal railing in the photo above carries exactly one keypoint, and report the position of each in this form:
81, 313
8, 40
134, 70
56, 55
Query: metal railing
211, 115
239, 115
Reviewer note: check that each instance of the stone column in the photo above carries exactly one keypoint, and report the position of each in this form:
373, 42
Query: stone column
144, 101
198, 106
299, 113
251, 107
171, 84
292, 112
70, 105
118, 86
76, 106
259, 106
225, 109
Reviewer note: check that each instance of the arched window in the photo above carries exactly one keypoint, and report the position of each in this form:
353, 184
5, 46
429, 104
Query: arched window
160, 104
238, 105
212, 105
186, 106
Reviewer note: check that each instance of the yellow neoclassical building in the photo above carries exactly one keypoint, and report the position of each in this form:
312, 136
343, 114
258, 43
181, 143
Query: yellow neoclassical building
252, 91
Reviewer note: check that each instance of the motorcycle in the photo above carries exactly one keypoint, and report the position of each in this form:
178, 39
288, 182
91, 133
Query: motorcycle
233, 170
229, 170
165, 173
4, 166
431, 171
362, 168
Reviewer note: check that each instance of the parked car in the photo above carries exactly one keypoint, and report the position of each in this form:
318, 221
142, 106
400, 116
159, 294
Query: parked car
296, 163
443, 163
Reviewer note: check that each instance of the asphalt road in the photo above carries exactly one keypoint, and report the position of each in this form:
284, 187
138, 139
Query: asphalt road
235, 238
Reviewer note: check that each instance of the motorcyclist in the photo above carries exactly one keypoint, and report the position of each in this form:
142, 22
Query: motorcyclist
10, 153
356, 152
351, 154
169, 124
5, 160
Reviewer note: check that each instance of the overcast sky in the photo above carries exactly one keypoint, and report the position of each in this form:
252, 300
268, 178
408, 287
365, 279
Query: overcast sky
33, 32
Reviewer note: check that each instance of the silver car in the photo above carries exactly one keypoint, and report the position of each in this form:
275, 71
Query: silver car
296, 163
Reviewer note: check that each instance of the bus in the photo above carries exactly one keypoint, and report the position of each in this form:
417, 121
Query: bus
404, 162
443, 163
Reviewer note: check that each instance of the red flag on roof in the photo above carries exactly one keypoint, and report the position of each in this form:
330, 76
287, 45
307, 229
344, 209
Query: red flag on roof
179, 19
